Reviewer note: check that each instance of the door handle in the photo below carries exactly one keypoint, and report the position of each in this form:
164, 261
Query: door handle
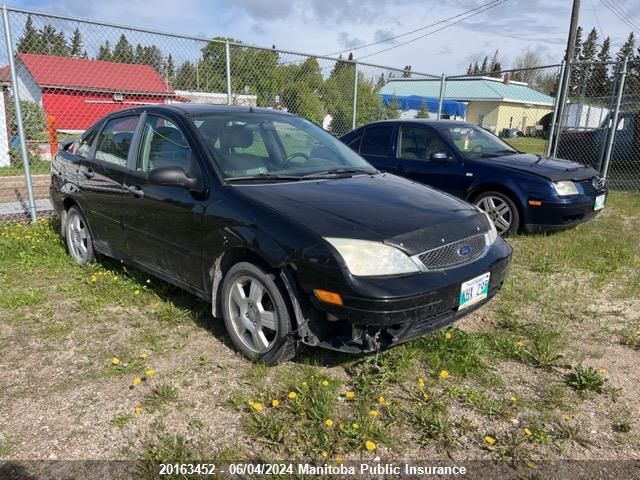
136, 190
89, 173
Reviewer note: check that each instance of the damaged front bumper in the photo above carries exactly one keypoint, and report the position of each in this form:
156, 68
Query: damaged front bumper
369, 325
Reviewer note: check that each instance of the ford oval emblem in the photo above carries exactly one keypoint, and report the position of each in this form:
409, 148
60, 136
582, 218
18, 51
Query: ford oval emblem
464, 250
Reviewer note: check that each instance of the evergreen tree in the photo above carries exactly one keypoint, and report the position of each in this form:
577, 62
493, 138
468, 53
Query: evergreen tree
600, 82
485, 65
496, 70
48, 36
423, 112
494, 62
60, 46
476, 69
583, 71
627, 49
76, 44
104, 52
169, 68
185, 77
578, 44
470, 69
29, 42
123, 51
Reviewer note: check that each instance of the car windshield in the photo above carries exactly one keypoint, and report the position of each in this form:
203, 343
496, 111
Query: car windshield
275, 147
476, 142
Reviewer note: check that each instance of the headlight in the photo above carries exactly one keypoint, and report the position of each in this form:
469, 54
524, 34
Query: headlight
365, 258
565, 188
492, 233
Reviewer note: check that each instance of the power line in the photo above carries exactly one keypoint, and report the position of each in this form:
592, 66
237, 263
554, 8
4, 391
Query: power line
621, 15
384, 40
625, 13
486, 7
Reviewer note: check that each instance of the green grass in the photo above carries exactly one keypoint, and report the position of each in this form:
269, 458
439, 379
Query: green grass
36, 167
528, 144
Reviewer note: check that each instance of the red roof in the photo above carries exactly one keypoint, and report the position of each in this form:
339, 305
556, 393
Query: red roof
5, 74
83, 74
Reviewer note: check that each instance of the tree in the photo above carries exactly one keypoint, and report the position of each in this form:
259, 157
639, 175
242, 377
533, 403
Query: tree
582, 71
169, 68
104, 52
59, 46
578, 44
525, 66
627, 49
470, 68
406, 71
600, 83
476, 69
185, 77
29, 42
123, 51
76, 44
423, 112
485, 65
392, 110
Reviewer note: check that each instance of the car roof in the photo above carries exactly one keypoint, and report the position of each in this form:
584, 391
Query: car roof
420, 121
201, 109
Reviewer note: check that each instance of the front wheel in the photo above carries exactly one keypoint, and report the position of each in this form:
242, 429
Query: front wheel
256, 315
78, 236
501, 210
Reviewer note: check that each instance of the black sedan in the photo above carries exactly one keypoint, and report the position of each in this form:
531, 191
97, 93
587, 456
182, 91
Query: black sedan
289, 234
518, 191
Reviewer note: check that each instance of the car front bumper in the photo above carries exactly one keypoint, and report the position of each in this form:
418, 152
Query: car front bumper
370, 324
561, 216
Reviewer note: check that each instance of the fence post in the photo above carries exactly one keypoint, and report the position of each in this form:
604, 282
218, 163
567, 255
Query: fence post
564, 93
441, 97
355, 95
614, 124
556, 107
227, 54
16, 99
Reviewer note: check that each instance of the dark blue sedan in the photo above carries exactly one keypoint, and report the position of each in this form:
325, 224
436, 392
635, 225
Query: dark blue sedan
518, 191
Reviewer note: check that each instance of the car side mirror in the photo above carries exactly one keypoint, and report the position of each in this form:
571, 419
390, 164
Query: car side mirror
441, 157
175, 177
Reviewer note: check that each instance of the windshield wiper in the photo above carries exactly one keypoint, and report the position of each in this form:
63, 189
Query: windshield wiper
262, 177
339, 171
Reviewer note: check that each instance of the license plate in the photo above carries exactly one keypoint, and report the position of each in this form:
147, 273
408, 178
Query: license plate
599, 203
474, 290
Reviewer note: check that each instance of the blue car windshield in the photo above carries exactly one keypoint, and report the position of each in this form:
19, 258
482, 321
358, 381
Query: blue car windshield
476, 142
271, 146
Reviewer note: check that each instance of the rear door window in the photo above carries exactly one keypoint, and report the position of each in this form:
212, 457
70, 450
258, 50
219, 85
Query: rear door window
377, 140
114, 141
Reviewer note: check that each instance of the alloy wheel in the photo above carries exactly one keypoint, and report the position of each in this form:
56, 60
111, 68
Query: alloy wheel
499, 212
78, 237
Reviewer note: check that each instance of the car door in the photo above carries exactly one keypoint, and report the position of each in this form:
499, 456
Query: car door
163, 223
423, 156
377, 147
101, 178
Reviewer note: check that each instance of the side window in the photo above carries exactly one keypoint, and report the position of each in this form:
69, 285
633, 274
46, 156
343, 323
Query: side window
84, 145
417, 143
354, 143
163, 145
114, 140
377, 140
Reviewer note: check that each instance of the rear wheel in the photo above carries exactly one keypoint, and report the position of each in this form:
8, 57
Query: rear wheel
501, 210
256, 315
78, 237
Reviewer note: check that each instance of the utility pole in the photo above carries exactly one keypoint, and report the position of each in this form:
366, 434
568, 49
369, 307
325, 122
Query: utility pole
562, 94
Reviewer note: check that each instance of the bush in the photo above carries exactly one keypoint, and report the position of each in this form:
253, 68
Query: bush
34, 120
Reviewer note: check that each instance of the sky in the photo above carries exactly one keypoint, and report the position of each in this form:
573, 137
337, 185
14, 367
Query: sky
328, 26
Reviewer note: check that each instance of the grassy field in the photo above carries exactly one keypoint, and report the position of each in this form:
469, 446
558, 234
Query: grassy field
105, 362
528, 144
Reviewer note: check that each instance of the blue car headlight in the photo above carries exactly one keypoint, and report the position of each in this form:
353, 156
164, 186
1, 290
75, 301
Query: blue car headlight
565, 188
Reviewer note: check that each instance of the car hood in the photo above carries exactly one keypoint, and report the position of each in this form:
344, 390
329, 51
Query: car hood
380, 207
552, 168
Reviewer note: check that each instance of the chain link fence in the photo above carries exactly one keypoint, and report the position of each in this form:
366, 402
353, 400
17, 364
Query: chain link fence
69, 72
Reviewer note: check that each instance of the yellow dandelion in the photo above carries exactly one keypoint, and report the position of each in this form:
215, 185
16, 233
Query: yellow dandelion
339, 459
136, 292
115, 361
421, 383
144, 355
275, 403
519, 344
513, 398
292, 395
149, 372
355, 426
325, 383
328, 422
444, 374
304, 384
374, 413
489, 440
527, 432
350, 394
341, 427
93, 279
137, 410
425, 396
370, 445
257, 406
531, 465
381, 400
448, 336
603, 371
324, 454
137, 381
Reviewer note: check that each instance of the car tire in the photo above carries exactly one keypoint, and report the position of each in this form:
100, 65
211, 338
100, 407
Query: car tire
501, 210
78, 237
256, 315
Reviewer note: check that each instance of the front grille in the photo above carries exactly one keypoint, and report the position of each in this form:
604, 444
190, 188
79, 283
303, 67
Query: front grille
591, 186
456, 253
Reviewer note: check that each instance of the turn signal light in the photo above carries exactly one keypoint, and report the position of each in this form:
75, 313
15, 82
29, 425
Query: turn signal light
328, 297
535, 203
